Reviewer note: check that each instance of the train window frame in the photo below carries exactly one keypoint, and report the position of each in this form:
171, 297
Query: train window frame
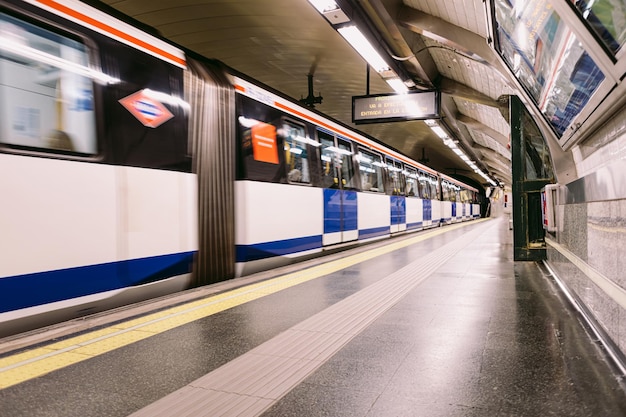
411, 178
428, 188
365, 156
347, 164
306, 143
256, 161
395, 176
338, 161
450, 191
93, 101
329, 174
466, 195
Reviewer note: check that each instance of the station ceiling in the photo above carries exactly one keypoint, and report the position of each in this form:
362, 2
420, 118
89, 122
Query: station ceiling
436, 44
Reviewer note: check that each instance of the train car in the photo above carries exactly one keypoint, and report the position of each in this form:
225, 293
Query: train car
459, 201
351, 187
133, 168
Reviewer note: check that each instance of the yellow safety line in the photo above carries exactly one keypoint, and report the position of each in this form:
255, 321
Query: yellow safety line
30, 364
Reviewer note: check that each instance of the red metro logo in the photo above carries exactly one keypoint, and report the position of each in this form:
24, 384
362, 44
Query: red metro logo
149, 111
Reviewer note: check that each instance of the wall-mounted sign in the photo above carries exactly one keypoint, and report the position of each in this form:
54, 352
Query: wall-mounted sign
381, 108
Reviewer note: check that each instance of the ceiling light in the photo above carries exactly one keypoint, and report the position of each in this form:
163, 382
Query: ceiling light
398, 85
439, 132
359, 42
449, 143
324, 5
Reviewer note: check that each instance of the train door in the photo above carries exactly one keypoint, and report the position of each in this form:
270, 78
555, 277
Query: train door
397, 199
340, 197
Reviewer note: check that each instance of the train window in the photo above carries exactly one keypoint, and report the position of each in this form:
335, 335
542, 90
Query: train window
434, 187
296, 155
347, 166
425, 186
398, 179
330, 177
412, 183
445, 190
395, 175
46, 90
466, 196
450, 191
428, 186
371, 170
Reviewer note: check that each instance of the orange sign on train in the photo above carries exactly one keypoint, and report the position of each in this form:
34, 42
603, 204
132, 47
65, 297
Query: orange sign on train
264, 143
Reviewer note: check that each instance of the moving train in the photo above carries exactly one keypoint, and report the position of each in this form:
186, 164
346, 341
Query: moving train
132, 168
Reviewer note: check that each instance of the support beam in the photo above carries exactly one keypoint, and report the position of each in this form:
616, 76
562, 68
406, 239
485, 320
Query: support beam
482, 128
470, 43
456, 89
424, 67
494, 161
492, 152
495, 165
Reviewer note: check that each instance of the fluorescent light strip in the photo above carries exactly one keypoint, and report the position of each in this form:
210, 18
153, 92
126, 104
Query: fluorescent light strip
437, 130
397, 85
359, 42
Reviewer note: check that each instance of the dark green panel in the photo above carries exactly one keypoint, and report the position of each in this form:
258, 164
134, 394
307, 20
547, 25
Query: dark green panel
529, 163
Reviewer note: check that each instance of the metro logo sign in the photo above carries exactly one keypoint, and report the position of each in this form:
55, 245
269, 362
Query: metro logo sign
150, 112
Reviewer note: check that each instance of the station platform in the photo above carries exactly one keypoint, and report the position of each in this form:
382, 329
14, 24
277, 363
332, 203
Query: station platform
436, 323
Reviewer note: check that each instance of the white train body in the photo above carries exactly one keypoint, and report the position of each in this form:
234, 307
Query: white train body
130, 170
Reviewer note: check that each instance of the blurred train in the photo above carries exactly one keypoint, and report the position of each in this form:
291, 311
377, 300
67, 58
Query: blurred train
132, 168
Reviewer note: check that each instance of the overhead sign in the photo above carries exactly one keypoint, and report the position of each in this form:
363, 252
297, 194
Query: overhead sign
150, 112
381, 108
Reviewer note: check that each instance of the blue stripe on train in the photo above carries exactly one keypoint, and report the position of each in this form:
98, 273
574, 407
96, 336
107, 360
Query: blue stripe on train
246, 253
427, 210
373, 232
398, 209
415, 225
29, 290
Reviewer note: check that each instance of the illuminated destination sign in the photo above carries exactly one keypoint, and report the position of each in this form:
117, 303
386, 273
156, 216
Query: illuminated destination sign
396, 107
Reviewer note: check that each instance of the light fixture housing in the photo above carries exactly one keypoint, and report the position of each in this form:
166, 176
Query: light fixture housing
398, 85
324, 6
